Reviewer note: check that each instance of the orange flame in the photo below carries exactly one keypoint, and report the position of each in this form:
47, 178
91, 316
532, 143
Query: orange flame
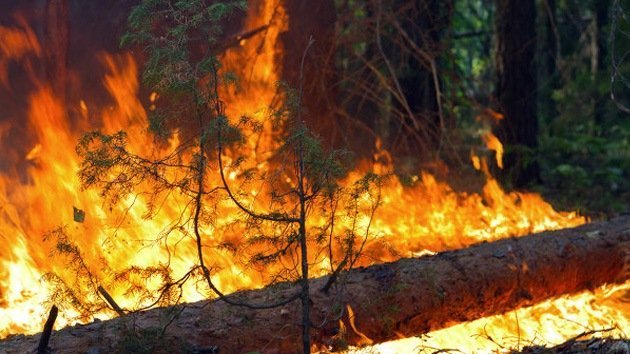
15, 44
365, 340
549, 323
493, 143
428, 217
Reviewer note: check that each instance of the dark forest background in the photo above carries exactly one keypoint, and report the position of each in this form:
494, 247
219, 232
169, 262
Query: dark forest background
426, 80
431, 77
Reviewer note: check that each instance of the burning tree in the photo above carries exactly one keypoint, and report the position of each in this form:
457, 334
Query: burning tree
208, 200
207, 161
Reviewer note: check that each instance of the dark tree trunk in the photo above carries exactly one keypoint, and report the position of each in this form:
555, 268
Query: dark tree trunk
602, 9
314, 19
516, 89
57, 40
426, 26
548, 74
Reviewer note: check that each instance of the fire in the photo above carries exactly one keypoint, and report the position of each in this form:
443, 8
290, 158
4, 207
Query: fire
427, 217
493, 143
548, 323
15, 44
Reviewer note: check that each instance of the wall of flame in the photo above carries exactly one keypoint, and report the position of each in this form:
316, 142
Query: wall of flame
39, 191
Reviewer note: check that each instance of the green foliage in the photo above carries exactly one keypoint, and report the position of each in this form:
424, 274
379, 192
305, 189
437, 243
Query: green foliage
584, 148
583, 139
106, 155
472, 26
180, 40
211, 173
77, 291
587, 170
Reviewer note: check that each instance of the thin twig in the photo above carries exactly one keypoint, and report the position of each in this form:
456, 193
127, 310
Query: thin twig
110, 301
436, 81
218, 106
392, 72
301, 176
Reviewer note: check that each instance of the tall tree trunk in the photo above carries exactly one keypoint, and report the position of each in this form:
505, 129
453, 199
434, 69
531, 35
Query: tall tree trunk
549, 56
601, 9
516, 89
426, 26
314, 19
57, 42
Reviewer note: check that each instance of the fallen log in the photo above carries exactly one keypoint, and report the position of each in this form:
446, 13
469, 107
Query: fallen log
383, 302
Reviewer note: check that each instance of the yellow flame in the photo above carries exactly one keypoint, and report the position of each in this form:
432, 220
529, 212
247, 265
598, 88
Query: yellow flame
429, 217
15, 44
493, 143
364, 339
32, 155
549, 323
476, 162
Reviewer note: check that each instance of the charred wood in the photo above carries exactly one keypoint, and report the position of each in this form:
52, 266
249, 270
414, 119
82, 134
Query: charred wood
42, 348
110, 300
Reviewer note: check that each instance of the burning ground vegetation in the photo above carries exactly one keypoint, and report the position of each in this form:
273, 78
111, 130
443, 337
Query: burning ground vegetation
69, 245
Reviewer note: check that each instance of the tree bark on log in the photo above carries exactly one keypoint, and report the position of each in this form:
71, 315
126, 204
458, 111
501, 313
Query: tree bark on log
403, 298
